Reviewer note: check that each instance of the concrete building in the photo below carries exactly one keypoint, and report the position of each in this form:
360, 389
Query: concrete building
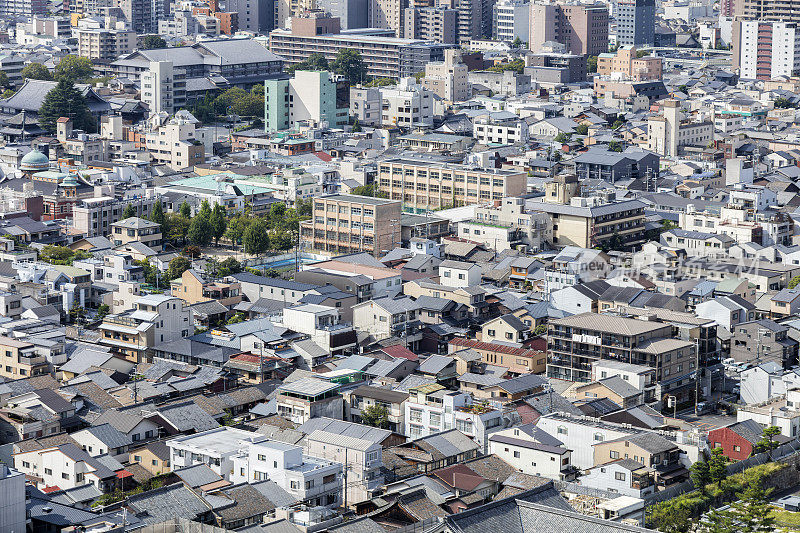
625, 62
669, 132
785, 11
630, 340
94, 217
310, 97
582, 28
510, 20
352, 14
508, 224
21, 359
507, 82
782, 411
436, 24
384, 56
349, 223
387, 14
104, 44
163, 87
256, 16
308, 398
761, 341
766, 50
423, 184
489, 130
636, 22
533, 452
556, 67
387, 317
448, 79
12, 500
157, 319
174, 144
136, 229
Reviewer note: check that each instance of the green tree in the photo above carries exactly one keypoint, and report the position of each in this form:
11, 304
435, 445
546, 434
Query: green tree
200, 232
617, 123
249, 105
129, 212
315, 61
8, 93
224, 103
36, 71
767, 442
614, 146
717, 466
205, 210
518, 66
74, 68
178, 266
185, 210
102, 311
356, 126
717, 522
670, 517
56, 255
218, 222
236, 228
582, 129
350, 65
701, 475
641, 53
375, 416
794, 282
752, 513
157, 216
517, 43
177, 228
76, 313
235, 319
64, 100
303, 208
151, 42
255, 238
228, 266
562, 138
281, 240
783, 103
540, 330
591, 64
4, 81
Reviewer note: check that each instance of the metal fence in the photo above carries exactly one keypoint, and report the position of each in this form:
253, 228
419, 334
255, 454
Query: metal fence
418, 527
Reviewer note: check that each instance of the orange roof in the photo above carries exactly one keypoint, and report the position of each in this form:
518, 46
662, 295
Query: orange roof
494, 347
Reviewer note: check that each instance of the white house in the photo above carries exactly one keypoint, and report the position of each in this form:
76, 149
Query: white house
520, 448
103, 439
459, 274
727, 311
623, 476
782, 411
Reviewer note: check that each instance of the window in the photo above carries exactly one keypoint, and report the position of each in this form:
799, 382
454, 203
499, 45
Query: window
516, 455
598, 437
295, 485
137, 458
309, 484
262, 457
562, 430
619, 476
48, 471
614, 454
64, 475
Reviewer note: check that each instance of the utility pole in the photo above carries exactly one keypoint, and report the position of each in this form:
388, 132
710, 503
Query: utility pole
344, 472
697, 374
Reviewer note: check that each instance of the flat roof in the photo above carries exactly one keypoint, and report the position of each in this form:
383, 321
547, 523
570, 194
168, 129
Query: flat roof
219, 440
358, 199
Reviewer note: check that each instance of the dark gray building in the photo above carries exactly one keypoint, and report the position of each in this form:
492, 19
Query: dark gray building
551, 67
760, 341
352, 14
254, 15
636, 22
599, 163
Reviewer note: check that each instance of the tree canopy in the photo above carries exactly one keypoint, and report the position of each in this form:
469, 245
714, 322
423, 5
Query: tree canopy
153, 41
74, 68
315, 61
36, 71
64, 100
255, 238
350, 65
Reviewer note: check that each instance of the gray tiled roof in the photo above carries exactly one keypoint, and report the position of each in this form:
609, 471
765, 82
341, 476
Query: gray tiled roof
109, 435
172, 501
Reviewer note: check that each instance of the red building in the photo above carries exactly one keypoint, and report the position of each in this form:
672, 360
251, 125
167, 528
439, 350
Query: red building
737, 440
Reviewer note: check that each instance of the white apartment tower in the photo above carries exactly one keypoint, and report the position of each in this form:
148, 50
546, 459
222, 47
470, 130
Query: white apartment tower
510, 20
766, 50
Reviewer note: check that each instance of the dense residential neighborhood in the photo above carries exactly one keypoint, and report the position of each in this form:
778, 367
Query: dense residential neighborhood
399, 266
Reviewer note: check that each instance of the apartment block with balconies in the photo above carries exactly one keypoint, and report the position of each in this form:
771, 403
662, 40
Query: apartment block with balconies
19, 360
574, 343
423, 184
345, 223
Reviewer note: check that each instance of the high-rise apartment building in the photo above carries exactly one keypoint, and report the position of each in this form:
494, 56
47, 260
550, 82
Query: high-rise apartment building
387, 14
253, 15
448, 79
510, 20
436, 24
163, 87
104, 44
309, 96
139, 13
352, 14
768, 10
582, 29
11, 8
766, 50
636, 22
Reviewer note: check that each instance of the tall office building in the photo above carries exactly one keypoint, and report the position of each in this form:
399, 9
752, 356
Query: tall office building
436, 24
474, 18
387, 14
510, 20
253, 15
636, 22
766, 50
352, 14
582, 29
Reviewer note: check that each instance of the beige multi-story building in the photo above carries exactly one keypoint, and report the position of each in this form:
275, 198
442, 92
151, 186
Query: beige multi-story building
345, 223
448, 79
423, 184
581, 28
92, 217
174, 144
669, 132
135, 229
431, 24
20, 359
387, 14
192, 287
104, 44
626, 63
